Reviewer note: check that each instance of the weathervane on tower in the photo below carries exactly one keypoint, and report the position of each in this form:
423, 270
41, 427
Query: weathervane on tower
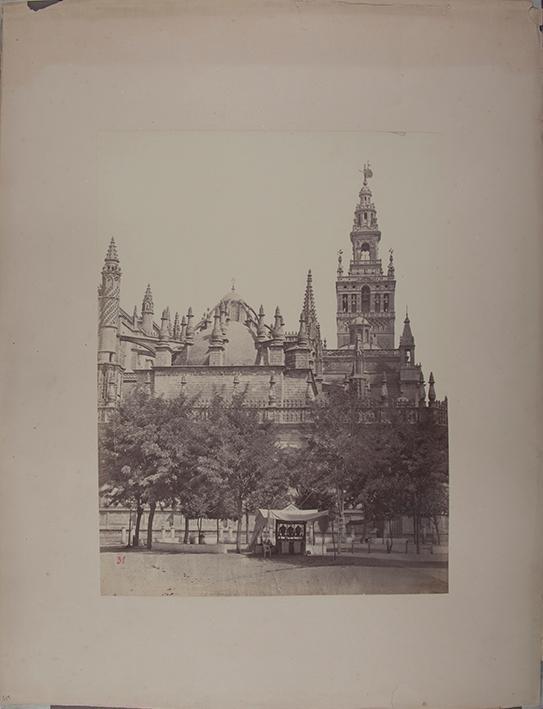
367, 172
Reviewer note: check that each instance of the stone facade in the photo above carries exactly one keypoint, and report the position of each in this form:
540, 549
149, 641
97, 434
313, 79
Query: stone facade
234, 348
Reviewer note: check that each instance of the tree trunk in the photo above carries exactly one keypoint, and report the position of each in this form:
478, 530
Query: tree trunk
139, 515
199, 527
239, 524
218, 531
187, 530
435, 520
416, 524
152, 508
390, 540
130, 528
246, 527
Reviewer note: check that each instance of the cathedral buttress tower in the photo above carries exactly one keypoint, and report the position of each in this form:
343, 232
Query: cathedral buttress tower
366, 291
109, 367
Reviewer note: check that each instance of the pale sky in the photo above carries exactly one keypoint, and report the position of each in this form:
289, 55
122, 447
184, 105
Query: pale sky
190, 211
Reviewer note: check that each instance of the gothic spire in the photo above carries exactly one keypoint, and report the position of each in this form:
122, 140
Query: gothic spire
148, 306
431, 390
189, 332
406, 337
309, 310
135, 317
112, 251
303, 338
176, 327
147, 310
261, 334
165, 325
217, 333
278, 332
422, 391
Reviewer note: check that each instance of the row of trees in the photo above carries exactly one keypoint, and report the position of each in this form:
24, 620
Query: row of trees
221, 463
385, 470
217, 463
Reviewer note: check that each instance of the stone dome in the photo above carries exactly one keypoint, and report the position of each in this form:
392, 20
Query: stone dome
239, 350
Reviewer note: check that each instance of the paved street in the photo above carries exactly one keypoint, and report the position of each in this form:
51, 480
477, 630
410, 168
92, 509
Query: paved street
155, 573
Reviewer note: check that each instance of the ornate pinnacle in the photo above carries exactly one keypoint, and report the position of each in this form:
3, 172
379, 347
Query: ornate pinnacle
217, 333
165, 324
309, 299
112, 251
303, 338
176, 328
135, 316
261, 334
189, 332
390, 263
277, 332
340, 262
431, 390
148, 306
422, 391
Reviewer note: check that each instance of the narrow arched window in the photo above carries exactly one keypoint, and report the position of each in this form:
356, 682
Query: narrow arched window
365, 252
353, 303
345, 303
385, 302
377, 301
365, 299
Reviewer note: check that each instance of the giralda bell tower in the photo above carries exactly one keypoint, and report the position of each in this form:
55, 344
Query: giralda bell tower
366, 294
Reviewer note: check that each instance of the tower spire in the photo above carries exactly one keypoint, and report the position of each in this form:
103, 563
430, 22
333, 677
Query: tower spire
109, 310
165, 325
309, 312
112, 251
147, 311
217, 333
261, 334
189, 332
278, 330
309, 299
407, 342
431, 390
303, 338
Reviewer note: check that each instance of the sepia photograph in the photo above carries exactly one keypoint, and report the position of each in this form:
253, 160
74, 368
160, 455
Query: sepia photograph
291, 441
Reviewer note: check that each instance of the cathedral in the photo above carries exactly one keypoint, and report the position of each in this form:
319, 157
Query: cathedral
235, 347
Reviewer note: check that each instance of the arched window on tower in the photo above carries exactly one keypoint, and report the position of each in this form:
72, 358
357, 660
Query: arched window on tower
365, 252
353, 303
344, 303
386, 302
377, 301
365, 299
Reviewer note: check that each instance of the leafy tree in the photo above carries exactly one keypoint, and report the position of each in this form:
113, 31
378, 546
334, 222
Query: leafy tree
244, 458
136, 459
383, 469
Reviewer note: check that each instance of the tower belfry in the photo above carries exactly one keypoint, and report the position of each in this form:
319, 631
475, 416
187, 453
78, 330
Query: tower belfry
365, 290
